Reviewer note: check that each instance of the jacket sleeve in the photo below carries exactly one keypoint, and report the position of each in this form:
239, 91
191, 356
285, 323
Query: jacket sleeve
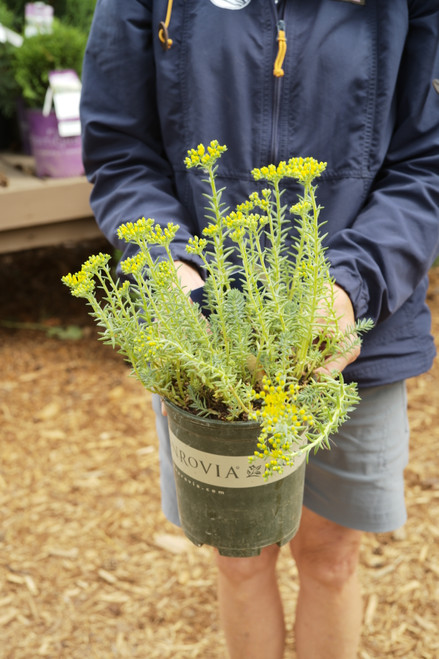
122, 147
385, 254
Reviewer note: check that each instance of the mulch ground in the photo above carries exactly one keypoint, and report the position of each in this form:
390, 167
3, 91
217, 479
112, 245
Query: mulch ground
89, 567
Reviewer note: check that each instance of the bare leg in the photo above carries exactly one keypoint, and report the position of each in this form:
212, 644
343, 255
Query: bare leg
329, 609
250, 606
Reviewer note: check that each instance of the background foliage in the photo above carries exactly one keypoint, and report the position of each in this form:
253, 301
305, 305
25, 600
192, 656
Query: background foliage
72, 12
28, 75
46, 52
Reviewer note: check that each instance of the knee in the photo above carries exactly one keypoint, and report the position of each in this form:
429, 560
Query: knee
326, 554
332, 567
333, 571
241, 570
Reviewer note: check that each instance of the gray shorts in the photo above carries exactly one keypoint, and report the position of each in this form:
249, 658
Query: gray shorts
359, 483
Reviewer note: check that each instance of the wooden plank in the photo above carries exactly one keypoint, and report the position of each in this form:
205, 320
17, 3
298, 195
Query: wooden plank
76, 230
18, 170
28, 201
40, 212
46, 205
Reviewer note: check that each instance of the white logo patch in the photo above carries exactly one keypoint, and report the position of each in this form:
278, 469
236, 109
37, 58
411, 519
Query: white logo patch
231, 4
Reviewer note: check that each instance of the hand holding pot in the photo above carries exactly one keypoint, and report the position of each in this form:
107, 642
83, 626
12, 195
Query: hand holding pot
346, 319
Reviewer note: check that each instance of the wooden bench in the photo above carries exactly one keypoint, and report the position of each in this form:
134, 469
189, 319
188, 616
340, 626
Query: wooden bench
41, 212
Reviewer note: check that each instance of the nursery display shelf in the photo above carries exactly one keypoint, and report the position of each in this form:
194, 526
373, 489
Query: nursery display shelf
41, 212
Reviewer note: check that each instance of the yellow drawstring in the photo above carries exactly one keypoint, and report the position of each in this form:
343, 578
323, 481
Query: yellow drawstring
281, 40
163, 28
281, 50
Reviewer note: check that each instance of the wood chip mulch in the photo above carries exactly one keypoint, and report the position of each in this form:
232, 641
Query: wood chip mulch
89, 567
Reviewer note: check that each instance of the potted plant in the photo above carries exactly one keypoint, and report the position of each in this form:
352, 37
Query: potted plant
61, 49
242, 370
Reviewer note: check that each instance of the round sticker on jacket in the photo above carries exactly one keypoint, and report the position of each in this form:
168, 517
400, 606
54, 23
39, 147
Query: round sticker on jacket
231, 4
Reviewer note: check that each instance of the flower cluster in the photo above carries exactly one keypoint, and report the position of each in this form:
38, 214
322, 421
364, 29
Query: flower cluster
301, 208
212, 230
255, 201
81, 284
96, 262
283, 421
132, 231
237, 220
204, 157
304, 170
147, 231
164, 273
196, 245
133, 264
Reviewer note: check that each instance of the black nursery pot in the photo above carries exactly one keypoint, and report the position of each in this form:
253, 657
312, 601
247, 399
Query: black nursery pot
223, 500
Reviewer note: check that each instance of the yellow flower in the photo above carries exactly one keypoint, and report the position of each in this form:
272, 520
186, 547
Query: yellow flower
282, 423
196, 245
133, 264
96, 262
204, 158
124, 289
263, 203
211, 230
246, 206
237, 234
303, 170
301, 208
164, 273
81, 284
133, 231
147, 231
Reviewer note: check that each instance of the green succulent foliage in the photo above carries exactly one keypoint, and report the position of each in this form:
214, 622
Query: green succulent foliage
63, 48
263, 353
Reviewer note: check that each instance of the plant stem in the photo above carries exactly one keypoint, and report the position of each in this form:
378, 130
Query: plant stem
309, 310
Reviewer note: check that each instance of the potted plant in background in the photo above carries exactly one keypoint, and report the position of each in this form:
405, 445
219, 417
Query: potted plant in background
242, 370
40, 54
17, 15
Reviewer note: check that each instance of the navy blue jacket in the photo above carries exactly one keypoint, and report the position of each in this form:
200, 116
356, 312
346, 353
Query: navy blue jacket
358, 92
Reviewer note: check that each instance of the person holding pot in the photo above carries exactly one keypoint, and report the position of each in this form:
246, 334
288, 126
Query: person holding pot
353, 83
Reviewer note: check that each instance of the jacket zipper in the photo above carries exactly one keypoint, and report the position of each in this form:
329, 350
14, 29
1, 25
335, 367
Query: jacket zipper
277, 96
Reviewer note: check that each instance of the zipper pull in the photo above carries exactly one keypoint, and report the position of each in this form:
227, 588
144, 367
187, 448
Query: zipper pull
278, 71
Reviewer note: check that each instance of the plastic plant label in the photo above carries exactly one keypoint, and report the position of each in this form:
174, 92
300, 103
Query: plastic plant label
66, 88
69, 128
9, 36
64, 92
38, 17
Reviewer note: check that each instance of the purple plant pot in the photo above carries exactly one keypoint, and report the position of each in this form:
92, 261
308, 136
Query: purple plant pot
55, 156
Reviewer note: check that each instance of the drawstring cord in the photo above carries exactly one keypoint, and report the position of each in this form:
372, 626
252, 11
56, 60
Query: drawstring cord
281, 50
163, 28
278, 71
